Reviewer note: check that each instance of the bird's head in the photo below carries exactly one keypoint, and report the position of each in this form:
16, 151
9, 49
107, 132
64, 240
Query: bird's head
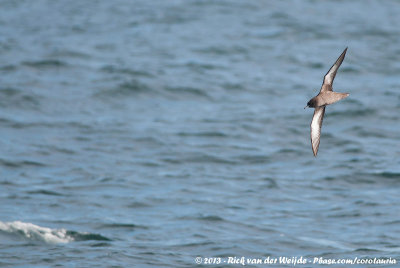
311, 103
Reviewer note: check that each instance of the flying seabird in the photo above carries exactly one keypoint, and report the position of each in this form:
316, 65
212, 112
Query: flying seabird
325, 97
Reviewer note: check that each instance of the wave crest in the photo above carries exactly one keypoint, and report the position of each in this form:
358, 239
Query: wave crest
34, 232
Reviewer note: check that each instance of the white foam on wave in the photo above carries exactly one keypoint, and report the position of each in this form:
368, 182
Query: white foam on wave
34, 232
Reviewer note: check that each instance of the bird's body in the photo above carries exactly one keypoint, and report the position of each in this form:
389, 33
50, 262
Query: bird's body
325, 97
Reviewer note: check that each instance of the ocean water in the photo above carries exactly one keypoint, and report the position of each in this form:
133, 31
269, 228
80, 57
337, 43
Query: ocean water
149, 133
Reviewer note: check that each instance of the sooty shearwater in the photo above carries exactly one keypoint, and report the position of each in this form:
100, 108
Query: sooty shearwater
325, 97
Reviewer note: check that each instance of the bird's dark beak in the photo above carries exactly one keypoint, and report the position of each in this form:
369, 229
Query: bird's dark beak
306, 106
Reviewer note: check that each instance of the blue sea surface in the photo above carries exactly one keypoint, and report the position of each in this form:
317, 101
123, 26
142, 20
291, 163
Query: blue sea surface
149, 133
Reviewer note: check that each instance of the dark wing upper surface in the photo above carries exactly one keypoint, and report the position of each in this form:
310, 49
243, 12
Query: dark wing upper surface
316, 125
330, 75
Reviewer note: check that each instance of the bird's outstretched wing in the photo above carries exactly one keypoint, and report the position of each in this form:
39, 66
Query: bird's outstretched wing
330, 75
316, 125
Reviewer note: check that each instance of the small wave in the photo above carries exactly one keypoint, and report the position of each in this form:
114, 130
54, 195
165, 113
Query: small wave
224, 50
205, 66
327, 243
370, 177
350, 70
254, 159
76, 236
347, 246
199, 158
315, 65
69, 54
15, 97
131, 226
388, 175
48, 63
8, 68
233, 86
137, 204
211, 134
116, 70
17, 164
210, 218
12, 123
44, 192
394, 249
187, 91
32, 232
130, 88
355, 112
270, 183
